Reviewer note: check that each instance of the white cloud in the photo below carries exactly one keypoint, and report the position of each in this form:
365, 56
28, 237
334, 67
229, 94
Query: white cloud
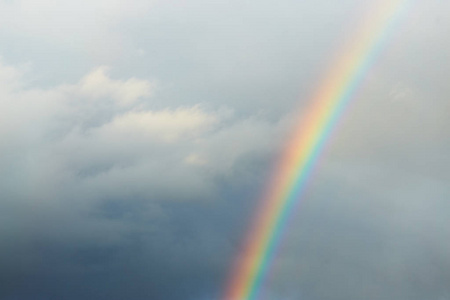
98, 84
166, 125
100, 136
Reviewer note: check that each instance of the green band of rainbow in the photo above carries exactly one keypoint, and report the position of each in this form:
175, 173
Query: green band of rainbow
304, 149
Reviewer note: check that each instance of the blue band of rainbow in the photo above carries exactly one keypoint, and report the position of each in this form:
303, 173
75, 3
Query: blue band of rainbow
305, 147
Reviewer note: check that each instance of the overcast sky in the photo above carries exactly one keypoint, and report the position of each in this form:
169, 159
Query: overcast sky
137, 138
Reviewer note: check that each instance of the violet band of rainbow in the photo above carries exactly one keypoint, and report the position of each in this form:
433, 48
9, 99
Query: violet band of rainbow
305, 147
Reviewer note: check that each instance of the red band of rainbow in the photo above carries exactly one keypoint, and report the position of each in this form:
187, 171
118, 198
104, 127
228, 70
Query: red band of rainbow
304, 149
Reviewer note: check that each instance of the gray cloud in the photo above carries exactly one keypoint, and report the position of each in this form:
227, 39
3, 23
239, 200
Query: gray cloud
139, 180
90, 178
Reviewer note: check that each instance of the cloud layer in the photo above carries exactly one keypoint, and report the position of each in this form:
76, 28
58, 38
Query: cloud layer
91, 174
137, 137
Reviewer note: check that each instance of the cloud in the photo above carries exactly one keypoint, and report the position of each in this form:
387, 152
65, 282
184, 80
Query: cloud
137, 137
366, 230
165, 125
98, 85
54, 19
91, 174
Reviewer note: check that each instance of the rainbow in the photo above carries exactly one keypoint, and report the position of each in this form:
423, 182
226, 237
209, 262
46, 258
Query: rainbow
304, 149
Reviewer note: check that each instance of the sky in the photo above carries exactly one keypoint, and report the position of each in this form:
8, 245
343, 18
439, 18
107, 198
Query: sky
137, 139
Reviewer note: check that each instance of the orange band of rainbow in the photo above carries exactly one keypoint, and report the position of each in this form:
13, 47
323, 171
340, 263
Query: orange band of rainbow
304, 149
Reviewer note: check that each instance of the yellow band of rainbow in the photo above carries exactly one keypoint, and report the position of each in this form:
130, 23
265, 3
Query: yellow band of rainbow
304, 148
